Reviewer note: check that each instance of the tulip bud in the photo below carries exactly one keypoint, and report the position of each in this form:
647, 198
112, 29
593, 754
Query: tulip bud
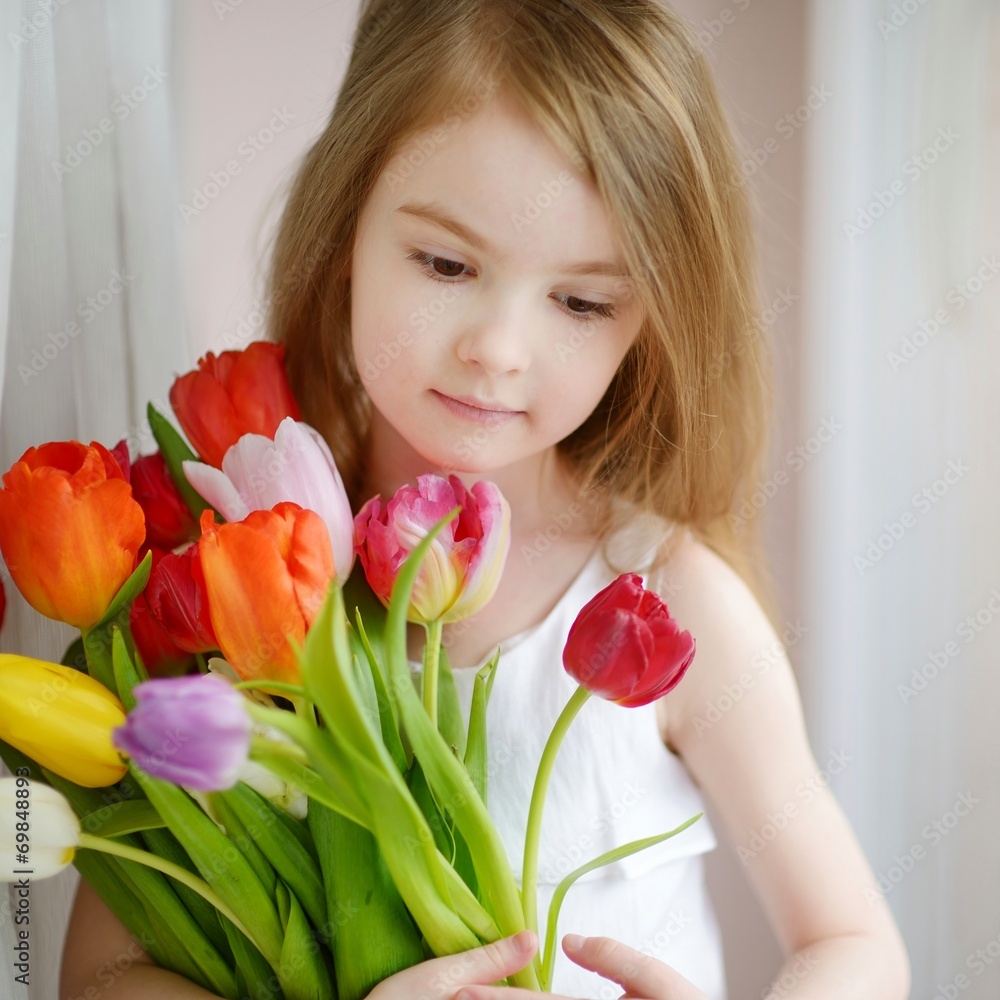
61, 718
70, 530
53, 835
190, 731
236, 393
462, 568
178, 600
297, 465
161, 656
169, 522
625, 647
266, 577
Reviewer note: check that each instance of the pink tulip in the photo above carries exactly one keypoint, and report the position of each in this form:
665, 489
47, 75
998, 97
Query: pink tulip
461, 571
258, 473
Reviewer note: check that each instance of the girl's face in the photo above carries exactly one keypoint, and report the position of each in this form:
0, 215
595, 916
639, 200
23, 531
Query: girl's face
489, 310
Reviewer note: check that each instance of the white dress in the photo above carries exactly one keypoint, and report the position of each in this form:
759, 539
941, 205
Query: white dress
613, 781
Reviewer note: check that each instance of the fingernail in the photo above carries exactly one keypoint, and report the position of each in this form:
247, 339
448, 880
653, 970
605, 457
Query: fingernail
522, 941
573, 942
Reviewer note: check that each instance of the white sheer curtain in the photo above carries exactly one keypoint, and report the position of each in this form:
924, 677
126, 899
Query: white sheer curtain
901, 539
91, 321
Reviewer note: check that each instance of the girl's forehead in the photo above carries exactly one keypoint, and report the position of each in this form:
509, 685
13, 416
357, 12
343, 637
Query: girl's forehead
496, 180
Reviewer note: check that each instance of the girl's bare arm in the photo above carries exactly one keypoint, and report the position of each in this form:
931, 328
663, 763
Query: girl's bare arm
100, 952
751, 756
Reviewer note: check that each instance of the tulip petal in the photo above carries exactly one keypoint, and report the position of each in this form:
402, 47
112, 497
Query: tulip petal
69, 536
625, 647
217, 488
55, 830
61, 718
191, 731
253, 633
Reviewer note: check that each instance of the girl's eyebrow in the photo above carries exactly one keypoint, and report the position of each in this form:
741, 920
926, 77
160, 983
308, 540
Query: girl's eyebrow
434, 213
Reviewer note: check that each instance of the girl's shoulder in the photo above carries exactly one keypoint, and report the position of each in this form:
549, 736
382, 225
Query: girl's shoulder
733, 635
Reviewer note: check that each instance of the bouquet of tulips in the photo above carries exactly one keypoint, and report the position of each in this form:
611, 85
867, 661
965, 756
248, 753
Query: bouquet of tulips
234, 753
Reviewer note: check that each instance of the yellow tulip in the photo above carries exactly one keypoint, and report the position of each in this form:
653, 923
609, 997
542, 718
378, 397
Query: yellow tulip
61, 718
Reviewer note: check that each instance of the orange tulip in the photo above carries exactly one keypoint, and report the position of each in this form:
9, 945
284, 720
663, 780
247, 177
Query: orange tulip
70, 530
266, 578
236, 393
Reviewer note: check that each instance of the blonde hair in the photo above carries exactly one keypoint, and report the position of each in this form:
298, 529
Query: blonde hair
623, 91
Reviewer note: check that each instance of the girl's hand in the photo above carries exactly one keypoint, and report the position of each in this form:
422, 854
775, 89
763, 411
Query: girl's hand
640, 975
441, 978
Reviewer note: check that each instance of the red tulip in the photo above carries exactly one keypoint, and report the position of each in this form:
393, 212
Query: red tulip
625, 647
121, 456
161, 656
266, 578
236, 393
178, 601
169, 522
70, 529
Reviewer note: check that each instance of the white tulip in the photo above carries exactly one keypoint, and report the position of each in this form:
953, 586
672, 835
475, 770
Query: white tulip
50, 832
297, 465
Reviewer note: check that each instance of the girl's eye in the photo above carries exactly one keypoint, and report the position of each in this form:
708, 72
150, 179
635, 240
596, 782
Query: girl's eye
582, 310
430, 264
590, 310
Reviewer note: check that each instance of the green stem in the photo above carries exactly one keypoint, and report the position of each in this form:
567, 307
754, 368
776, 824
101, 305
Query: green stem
182, 875
529, 870
432, 656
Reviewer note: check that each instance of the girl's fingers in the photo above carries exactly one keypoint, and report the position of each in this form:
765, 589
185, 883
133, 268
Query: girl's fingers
638, 974
505, 993
487, 964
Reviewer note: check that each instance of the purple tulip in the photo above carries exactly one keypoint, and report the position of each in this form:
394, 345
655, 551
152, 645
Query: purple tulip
190, 731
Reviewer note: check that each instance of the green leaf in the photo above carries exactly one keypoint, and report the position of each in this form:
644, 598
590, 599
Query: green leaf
446, 774
303, 972
75, 655
127, 593
285, 852
186, 948
165, 845
98, 641
388, 720
175, 450
119, 818
476, 759
440, 901
226, 870
254, 977
443, 836
297, 828
126, 673
615, 854
373, 934
450, 722
166, 922
245, 841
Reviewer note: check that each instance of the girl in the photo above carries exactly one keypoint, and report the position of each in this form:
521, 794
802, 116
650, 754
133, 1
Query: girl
521, 251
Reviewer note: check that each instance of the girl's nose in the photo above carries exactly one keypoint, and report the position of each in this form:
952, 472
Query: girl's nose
498, 344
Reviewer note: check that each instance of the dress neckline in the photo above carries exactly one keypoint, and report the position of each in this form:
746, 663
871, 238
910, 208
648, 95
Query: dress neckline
511, 643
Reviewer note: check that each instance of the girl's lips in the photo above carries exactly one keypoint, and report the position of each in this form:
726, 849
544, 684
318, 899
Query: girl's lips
475, 414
